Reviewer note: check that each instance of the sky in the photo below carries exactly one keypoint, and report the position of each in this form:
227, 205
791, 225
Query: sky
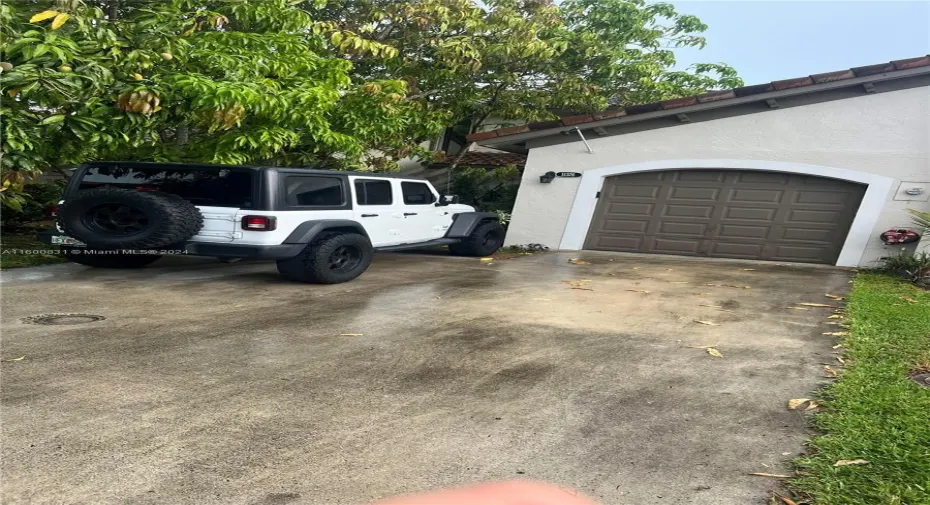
768, 40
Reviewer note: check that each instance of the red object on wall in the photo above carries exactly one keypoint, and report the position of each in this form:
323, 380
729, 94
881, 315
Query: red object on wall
899, 237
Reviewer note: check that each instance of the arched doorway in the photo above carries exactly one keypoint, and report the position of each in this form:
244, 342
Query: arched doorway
876, 190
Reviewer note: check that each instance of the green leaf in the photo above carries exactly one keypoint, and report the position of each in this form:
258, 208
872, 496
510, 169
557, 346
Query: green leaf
53, 119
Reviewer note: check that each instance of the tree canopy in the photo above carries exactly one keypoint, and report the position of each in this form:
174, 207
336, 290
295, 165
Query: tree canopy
349, 84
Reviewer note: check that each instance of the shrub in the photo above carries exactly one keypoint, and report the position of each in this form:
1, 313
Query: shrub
39, 196
913, 267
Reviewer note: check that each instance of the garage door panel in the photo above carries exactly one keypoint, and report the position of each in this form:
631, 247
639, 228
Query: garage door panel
806, 234
676, 245
625, 225
697, 175
727, 213
812, 216
749, 213
756, 195
649, 192
686, 193
762, 178
682, 228
630, 209
736, 249
743, 231
826, 198
698, 211
619, 243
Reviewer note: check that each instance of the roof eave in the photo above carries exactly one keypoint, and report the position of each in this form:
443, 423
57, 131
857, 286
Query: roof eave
511, 140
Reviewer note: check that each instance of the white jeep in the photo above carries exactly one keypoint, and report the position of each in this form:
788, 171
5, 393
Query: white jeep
321, 226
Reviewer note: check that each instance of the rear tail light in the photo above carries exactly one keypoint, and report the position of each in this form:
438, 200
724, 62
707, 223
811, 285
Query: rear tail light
259, 223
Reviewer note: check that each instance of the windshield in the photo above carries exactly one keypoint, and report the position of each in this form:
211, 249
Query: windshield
217, 187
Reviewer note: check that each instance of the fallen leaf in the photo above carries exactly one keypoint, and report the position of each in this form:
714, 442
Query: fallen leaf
798, 308
817, 305
834, 297
635, 268
668, 269
351, 334
841, 360
837, 324
772, 475
747, 269
612, 274
803, 404
835, 316
828, 369
638, 290
678, 282
583, 289
786, 454
908, 300
578, 283
837, 346
785, 500
714, 352
487, 259
847, 462
702, 294
16, 359
577, 261
836, 333
729, 286
708, 323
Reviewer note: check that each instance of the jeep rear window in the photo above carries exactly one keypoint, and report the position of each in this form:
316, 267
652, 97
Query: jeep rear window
220, 187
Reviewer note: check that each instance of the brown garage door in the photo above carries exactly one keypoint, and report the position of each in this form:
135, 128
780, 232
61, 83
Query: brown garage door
725, 213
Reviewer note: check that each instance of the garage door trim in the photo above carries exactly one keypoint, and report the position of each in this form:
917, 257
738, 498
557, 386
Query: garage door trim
860, 232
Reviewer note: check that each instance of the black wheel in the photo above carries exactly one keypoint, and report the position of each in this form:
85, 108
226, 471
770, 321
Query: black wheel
115, 218
485, 239
330, 258
99, 258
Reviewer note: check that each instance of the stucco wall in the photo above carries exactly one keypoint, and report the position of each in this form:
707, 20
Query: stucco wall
887, 134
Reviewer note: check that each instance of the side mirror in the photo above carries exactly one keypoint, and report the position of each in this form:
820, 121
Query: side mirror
447, 199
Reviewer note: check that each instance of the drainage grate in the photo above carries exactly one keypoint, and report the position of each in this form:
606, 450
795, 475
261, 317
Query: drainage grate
62, 319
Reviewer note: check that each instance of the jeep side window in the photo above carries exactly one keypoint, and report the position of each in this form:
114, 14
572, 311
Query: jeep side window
318, 191
373, 192
417, 193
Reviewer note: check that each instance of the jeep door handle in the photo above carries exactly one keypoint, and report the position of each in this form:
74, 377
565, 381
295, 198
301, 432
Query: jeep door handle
369, 215
410, 213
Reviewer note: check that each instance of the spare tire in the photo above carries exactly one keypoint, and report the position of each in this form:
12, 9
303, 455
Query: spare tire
116, 218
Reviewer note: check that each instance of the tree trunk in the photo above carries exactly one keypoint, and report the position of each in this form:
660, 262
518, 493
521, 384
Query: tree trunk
182, 134
113, 10
455, 162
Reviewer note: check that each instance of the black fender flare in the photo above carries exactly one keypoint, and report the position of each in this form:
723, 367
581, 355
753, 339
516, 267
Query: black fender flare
464, 223
308, 230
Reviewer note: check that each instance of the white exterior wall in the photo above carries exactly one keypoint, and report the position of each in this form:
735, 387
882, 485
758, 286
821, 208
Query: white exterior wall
882, 139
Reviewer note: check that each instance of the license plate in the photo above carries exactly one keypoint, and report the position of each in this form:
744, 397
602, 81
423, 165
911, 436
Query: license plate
65, 240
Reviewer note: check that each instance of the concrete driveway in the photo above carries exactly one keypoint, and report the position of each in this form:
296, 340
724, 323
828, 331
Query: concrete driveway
211, 383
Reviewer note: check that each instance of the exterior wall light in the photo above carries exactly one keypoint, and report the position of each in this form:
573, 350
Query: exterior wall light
547, 177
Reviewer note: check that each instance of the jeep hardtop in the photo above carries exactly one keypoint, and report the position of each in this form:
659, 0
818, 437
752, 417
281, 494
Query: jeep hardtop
320, 226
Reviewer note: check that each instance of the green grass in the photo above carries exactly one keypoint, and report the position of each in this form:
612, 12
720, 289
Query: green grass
874, 412
12, 246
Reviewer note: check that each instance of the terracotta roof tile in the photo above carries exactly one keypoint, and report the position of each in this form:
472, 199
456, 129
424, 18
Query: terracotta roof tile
712, 96
881, 68
753, 90
923, 61
644, 108
674, 103
833, 76
792, 83
484, 159
571, 120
